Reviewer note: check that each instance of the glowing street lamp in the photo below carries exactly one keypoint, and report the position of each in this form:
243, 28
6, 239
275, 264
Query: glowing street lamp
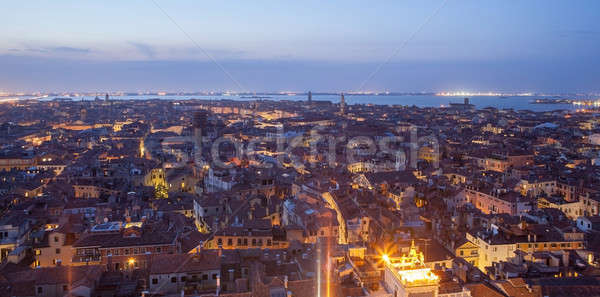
386, 258
131, 262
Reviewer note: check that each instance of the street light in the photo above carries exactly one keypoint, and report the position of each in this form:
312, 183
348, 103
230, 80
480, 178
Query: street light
386, 258
131, 262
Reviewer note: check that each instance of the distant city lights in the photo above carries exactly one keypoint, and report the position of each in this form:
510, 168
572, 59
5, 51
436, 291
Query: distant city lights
475, 94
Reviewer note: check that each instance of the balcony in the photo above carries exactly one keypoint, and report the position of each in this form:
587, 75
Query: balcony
86, 259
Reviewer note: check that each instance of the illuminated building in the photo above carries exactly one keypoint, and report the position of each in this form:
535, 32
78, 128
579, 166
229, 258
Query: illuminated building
408, 275
122, 247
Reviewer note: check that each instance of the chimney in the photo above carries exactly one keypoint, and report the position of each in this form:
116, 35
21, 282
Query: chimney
110, 263
565, 258
198, 255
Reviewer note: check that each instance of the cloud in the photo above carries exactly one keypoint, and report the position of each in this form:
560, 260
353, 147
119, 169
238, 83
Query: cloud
191, 52
145, 49
56, 50
48, 51
68, 49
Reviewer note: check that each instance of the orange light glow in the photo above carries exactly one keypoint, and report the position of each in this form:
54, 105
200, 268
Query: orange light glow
417, 275
386, 258
410, 268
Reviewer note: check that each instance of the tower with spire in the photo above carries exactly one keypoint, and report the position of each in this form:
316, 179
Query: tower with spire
342, 105
309, 97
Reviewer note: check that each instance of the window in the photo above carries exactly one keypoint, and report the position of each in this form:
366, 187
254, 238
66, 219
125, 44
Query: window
229, 241
40, 290
214, 276
462, 253
269, 242
183, 279
158, 250
239, 241
65, 287
205, 276
154, 281
55, 238
57, 251
173, 279
253, 241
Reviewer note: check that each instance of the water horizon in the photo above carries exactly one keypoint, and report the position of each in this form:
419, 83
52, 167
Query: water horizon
422, 101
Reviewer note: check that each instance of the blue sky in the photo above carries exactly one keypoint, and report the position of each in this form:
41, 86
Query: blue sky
501, 45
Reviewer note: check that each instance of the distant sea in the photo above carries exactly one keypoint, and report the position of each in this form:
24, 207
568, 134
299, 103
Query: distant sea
514, 102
